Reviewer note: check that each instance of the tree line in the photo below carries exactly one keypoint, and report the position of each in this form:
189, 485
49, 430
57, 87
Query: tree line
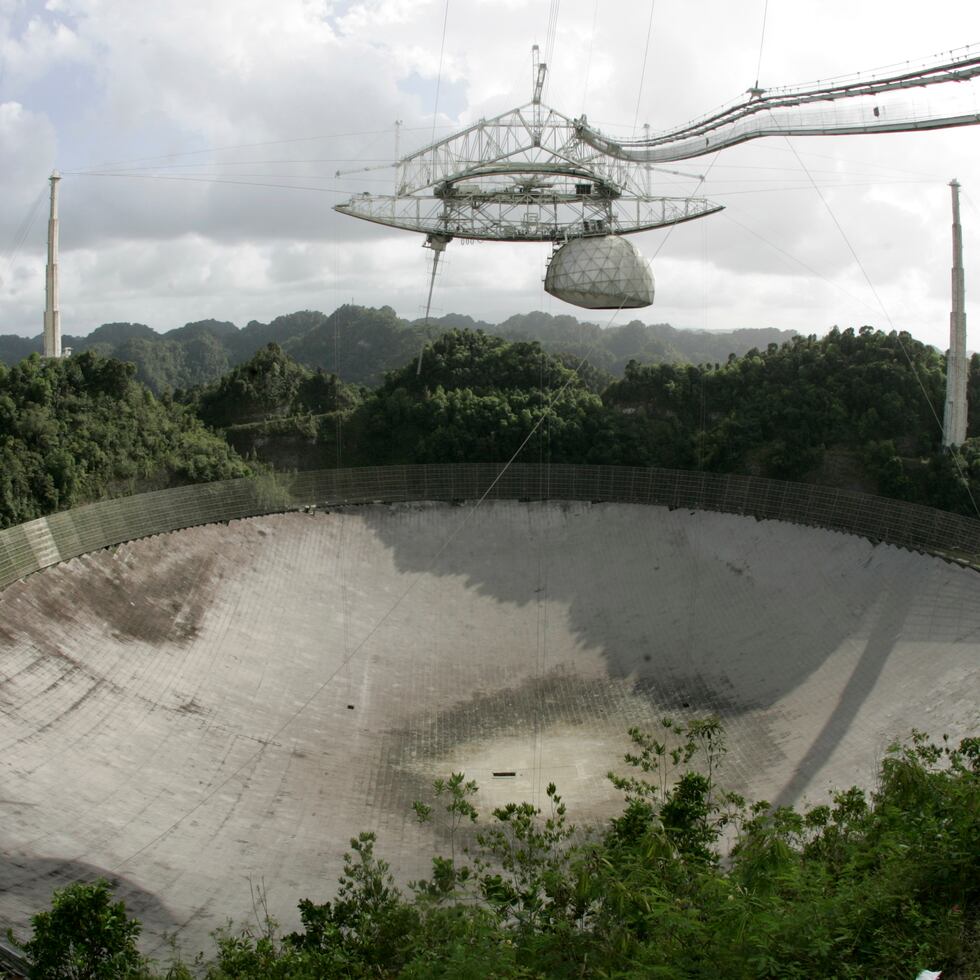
82, 428
359, 344
854, 409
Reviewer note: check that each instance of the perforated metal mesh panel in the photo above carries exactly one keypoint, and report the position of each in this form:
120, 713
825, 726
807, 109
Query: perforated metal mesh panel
29, 547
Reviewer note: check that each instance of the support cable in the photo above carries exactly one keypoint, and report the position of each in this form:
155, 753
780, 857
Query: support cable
348, 658
670, 228
339, 432
212, 180
438, 247
957, 462
588, 60
643, 70
442, 51
104, 165
762, 41
789, 255
552, 33
24, 229
541, 625
966, 197
698, 515
830, 185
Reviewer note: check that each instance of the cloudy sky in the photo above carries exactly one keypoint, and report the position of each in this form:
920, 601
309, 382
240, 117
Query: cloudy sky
200, 139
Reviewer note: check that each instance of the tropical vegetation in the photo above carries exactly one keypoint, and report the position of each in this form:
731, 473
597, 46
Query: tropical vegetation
359, 344
81, 428
853, 409
688, 881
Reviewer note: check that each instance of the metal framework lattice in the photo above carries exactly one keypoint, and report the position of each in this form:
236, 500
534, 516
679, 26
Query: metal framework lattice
26, 548
523, 176
887, 102
533, 174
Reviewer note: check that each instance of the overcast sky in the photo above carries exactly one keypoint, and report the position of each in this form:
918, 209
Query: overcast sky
230, 97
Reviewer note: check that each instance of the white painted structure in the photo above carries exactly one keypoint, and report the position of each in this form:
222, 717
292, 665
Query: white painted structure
52, 314
533, 174
955, 415
603, 273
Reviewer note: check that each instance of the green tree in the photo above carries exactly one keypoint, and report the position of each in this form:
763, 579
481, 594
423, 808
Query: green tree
81, 428
85, 936
268, 385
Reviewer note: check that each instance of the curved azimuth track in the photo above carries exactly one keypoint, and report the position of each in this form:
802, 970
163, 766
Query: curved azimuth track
889, 102
189, 712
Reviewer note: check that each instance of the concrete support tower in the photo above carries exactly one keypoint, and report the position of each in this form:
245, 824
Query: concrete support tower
52, 315
954, 418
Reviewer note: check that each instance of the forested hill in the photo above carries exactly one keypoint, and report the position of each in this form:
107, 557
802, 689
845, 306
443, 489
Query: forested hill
852, 409
81, 428
359, 344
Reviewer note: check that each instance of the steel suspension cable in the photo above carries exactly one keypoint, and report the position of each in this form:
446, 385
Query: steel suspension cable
762, 41
552, 32
24, 229
442, 51
957, 462
216, 788
643, 70
588, 60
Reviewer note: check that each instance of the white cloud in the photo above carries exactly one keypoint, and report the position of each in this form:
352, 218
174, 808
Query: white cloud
42, 44
90, 81
27, 142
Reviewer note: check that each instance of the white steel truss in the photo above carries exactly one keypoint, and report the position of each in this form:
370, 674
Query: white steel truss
534, 174
888, 102
523, 176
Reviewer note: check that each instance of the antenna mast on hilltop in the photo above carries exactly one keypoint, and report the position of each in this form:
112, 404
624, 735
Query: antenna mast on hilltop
52, 315
954, 419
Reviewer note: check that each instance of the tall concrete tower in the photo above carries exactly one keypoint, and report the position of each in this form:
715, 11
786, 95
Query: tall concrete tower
954, 417
52, 315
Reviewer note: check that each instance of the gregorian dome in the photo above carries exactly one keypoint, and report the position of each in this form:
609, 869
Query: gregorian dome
605, 273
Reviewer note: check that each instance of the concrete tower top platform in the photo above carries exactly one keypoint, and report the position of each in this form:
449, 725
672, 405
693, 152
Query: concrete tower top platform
194, 710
